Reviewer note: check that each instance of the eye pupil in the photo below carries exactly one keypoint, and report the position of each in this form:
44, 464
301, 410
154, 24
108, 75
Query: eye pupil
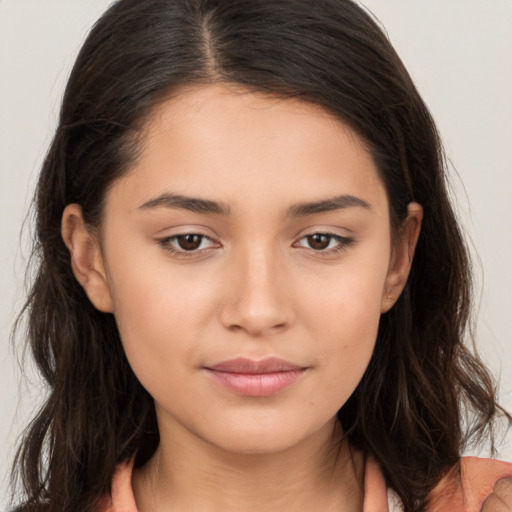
189, 242
319, 241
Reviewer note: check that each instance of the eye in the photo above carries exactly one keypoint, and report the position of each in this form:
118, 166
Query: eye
324, 242
188, 242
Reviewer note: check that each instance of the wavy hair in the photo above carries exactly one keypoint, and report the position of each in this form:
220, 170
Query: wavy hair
423, 396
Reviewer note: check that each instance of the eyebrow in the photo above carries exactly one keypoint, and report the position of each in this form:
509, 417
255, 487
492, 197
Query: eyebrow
327, 205
198, 205
193, 204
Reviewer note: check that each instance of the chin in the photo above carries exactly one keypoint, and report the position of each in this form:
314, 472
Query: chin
266, 438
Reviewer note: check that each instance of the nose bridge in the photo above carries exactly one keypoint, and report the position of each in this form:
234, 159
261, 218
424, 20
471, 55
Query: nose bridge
257, 302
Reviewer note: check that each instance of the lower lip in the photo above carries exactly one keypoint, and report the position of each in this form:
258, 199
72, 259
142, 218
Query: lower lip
259, 384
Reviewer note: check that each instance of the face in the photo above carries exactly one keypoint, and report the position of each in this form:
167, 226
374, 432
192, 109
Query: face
247, 259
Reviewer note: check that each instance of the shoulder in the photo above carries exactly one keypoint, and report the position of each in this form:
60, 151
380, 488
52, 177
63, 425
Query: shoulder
473, 485
121, 497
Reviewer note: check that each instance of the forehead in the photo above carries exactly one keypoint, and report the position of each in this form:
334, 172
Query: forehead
232, 107
228, 142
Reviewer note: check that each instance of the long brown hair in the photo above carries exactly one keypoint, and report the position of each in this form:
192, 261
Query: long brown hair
424, 395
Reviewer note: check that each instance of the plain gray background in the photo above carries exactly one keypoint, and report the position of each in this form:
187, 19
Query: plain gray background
459, 54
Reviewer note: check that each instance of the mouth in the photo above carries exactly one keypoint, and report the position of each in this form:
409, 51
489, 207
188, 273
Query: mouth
261, 378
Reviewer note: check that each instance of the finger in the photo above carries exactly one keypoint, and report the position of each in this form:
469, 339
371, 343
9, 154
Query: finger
500, 500
503, 488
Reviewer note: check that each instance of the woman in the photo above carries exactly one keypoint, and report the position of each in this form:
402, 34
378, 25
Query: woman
252, 289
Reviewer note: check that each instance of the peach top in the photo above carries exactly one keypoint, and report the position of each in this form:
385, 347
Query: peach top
466, 494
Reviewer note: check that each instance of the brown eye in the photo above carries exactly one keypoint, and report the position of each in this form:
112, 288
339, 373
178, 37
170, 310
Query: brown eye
319, 241
324, 243
189, 242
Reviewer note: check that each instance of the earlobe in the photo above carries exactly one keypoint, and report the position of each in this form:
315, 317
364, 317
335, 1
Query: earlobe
86, 258
402, 256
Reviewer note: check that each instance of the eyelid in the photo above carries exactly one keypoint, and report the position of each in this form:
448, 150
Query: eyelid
343, 242
166, 244
169, 229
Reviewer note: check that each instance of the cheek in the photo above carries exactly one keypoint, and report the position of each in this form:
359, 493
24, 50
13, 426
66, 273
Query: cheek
346, 319
347, 351
349, 335
348, 298
160, 311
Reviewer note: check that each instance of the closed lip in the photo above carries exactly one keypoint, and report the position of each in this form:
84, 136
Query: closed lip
255, 378
255, 367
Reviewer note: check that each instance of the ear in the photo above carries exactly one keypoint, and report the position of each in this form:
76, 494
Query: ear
86, 258
402, 255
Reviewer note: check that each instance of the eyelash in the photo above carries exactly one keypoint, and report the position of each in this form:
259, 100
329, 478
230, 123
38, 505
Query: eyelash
342, 244
167, 244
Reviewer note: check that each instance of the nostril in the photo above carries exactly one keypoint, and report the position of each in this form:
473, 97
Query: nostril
237, 328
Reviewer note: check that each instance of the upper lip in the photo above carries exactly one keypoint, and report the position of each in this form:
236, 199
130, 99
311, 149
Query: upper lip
251, 366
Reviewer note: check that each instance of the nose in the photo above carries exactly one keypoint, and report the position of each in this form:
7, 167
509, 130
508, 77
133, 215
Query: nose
257, 299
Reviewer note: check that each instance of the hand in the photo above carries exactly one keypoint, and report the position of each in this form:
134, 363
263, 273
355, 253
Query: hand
500, 500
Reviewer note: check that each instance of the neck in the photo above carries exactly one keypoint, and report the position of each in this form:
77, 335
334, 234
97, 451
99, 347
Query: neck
320, 474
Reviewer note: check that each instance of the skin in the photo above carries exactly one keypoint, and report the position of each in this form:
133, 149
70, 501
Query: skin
256, 286
500, 500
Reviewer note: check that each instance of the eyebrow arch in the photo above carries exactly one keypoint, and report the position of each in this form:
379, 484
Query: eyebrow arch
327, 205
193, 204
